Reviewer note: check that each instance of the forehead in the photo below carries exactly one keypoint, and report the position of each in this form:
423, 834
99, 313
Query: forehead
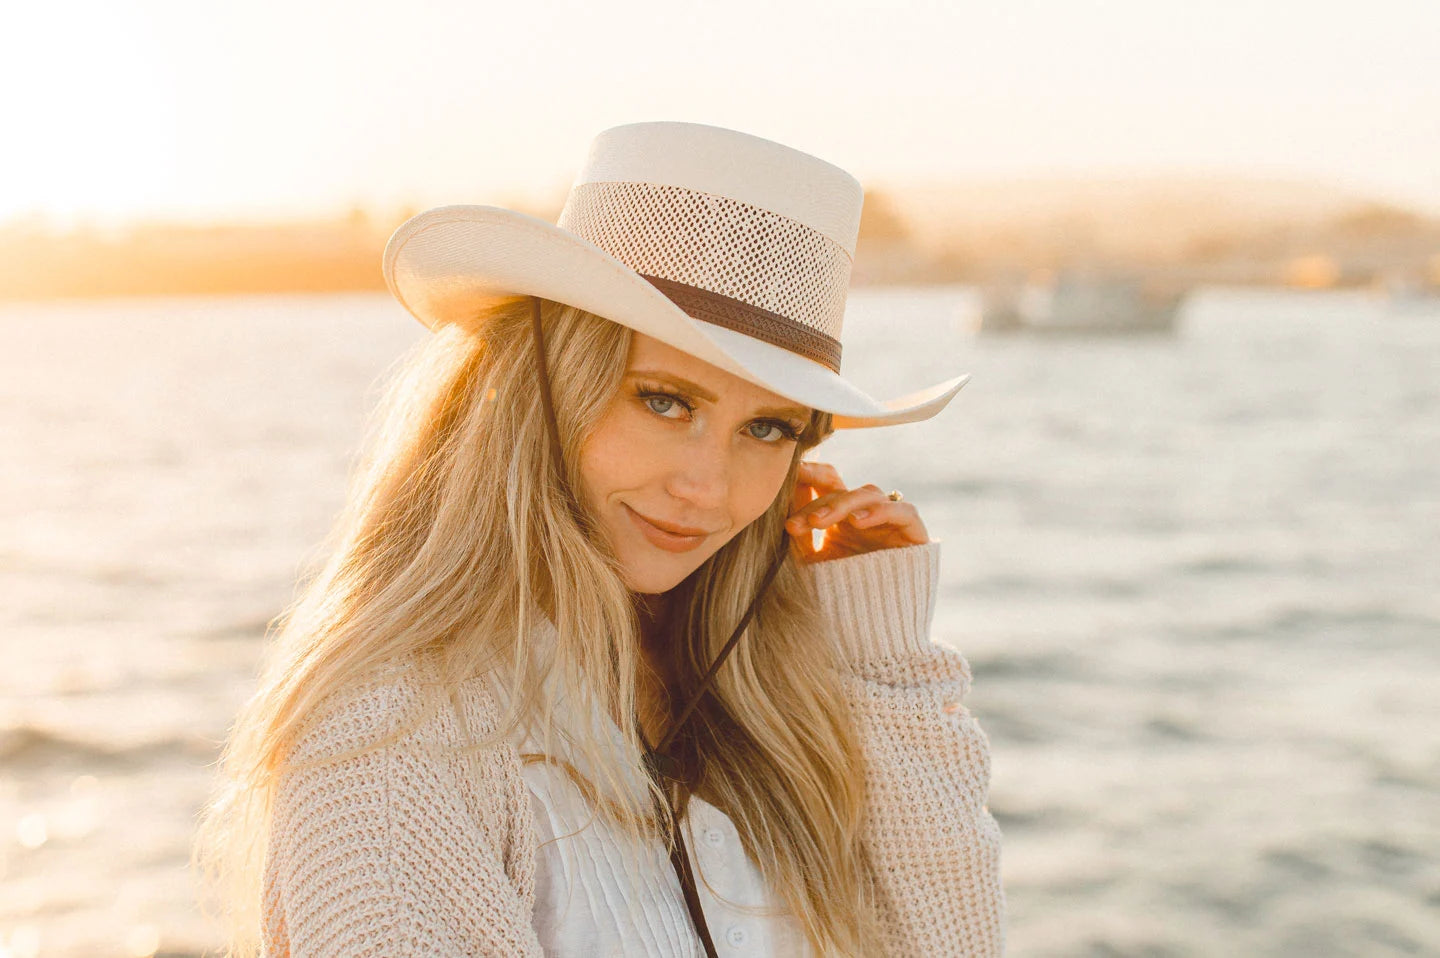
650, 354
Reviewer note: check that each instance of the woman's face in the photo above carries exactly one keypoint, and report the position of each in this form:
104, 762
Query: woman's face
687, 446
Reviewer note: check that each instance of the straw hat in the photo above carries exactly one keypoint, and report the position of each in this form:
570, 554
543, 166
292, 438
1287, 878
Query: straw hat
730, 247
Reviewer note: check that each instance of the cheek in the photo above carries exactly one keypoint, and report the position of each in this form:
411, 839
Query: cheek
617, 456
756, 496
600, 469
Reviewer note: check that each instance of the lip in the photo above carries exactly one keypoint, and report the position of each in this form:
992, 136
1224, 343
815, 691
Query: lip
669, 541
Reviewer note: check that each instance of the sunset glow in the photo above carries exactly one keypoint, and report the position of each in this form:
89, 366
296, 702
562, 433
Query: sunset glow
158, 109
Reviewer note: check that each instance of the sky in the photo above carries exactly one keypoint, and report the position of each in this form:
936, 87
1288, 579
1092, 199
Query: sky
121, 110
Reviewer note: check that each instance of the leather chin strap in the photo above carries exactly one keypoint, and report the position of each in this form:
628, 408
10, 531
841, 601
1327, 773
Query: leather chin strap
658, 762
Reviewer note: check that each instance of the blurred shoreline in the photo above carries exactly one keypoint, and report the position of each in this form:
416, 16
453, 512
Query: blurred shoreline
1180, 232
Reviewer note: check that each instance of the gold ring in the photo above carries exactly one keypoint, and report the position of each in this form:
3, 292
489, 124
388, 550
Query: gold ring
895, 495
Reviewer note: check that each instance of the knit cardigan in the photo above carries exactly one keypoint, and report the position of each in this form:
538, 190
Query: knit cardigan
415, 851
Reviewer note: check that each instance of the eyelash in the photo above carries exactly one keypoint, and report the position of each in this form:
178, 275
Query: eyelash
646, 392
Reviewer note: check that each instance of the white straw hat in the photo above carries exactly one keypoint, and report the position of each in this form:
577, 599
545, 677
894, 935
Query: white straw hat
730, 247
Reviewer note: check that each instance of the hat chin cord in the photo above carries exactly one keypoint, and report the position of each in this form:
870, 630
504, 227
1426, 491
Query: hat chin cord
659, 764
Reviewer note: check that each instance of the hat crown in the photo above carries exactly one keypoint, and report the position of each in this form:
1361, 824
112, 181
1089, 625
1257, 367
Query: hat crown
732, 248
737, 230
739, 166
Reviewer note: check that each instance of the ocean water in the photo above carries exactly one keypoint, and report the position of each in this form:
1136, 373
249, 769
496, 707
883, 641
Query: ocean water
1197, 578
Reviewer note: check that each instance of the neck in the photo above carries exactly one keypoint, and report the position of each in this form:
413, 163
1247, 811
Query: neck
653, 611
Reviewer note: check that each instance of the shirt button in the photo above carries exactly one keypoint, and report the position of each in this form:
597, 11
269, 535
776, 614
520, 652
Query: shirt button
713, 838
737, 935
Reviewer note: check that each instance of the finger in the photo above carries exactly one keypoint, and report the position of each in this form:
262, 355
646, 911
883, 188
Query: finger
835, 506
801, 495
818, 506
799, 517
884, 513
846, 504
812, 480
822, 475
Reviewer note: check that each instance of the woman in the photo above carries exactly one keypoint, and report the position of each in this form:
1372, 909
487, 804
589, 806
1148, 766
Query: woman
575, 679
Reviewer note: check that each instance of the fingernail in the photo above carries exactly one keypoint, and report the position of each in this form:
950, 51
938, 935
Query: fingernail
821, 513
861, 513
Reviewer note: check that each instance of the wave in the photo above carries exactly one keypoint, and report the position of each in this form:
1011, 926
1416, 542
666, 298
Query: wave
29, 746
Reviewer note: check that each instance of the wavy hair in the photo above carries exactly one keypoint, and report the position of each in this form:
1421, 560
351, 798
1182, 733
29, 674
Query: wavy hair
454, 487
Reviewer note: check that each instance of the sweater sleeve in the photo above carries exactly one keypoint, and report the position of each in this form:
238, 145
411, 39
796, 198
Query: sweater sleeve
405, 850
934, 844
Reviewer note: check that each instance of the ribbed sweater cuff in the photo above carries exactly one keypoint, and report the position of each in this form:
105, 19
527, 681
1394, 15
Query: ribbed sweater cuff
880, 603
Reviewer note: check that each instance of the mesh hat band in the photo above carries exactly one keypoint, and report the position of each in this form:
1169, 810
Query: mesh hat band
751, 320
722, 260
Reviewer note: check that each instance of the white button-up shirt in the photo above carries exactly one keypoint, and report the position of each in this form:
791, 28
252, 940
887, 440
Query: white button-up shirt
590, 902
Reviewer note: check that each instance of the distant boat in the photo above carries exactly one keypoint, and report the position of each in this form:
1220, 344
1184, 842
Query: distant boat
1078, 303
1411, 295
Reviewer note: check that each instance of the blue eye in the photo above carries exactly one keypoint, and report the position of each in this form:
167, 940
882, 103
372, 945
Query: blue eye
650, 395
782, 430
668, 400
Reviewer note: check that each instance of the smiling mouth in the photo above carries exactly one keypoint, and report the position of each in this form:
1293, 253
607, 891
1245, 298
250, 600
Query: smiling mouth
678, 531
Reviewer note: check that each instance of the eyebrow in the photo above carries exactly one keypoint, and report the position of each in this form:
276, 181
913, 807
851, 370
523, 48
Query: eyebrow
700, 392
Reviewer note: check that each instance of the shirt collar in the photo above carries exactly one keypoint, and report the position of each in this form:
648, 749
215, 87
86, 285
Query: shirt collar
574, 718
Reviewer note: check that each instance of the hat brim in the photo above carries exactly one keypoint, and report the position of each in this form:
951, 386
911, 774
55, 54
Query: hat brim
446, 265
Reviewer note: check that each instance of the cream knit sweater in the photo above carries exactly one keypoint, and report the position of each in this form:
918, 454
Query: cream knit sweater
412, 851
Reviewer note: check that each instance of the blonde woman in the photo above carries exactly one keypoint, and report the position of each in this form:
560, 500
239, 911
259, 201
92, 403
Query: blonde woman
575, 679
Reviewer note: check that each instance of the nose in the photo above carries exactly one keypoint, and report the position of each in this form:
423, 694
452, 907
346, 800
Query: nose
701, 473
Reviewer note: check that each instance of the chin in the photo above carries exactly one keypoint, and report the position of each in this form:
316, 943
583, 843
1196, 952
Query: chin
651, 570
654, 578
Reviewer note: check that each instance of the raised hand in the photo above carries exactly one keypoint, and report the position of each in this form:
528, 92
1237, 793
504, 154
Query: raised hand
856, 520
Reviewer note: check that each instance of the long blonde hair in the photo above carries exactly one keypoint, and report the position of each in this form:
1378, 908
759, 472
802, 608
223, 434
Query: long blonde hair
454, 488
